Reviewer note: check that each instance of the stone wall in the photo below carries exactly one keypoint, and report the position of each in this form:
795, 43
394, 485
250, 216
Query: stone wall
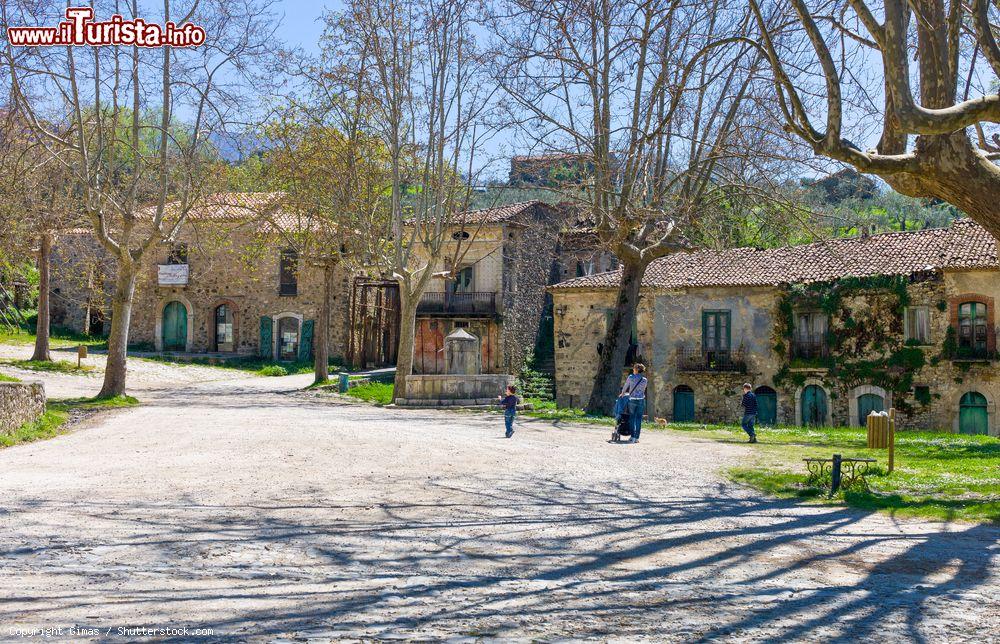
443, 390
529, 250
581, 319
20, 403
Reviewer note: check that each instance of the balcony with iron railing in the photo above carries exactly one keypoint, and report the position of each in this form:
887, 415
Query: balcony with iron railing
980, 348
810, 347
448, 303
689, 359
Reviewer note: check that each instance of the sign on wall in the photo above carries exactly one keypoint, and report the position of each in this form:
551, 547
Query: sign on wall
173, 274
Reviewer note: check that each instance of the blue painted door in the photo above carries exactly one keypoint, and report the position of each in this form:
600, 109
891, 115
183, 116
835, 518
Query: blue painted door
767, 406
683, 405
867, 403
813, 405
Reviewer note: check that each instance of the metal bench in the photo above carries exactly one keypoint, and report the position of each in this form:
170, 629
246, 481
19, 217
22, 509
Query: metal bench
842, 472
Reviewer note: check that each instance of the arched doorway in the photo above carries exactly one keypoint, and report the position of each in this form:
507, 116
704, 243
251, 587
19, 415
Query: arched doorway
683, 404
767, 405
867, 403
288, 339
225, 340
813, 405
973, 417
175, 324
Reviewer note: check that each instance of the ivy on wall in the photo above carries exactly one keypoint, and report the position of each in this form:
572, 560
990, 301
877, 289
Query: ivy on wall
865, 341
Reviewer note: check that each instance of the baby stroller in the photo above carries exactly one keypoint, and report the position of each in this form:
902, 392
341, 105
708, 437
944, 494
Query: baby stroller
623, 424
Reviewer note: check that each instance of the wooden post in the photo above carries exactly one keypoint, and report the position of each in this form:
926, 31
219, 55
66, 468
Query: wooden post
892, 438
81, 353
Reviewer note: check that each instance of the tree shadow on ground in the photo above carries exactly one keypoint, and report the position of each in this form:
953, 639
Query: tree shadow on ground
507, 557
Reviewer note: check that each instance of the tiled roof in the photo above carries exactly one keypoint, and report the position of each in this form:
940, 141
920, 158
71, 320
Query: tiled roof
235, 206
964, 245
494, 215
550, 156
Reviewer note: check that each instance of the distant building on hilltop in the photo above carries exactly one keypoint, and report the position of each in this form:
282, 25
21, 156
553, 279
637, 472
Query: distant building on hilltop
550, 170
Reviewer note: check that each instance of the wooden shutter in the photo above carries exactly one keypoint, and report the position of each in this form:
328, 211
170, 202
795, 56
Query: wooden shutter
266, 330
306, 341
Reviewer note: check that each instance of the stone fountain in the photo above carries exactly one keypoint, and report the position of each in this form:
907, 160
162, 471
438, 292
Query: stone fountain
463, 384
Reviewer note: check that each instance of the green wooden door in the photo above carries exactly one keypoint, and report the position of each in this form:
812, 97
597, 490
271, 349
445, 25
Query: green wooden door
174, 327
813, 405
867, 403
972, 415
767, 406
683, 405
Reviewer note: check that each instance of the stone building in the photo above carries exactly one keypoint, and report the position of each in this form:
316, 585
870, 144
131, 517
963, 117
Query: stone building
81, 279
826, 332
502, 258
227, 284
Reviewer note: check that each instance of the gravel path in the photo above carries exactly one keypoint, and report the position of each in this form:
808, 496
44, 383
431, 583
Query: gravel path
243, 507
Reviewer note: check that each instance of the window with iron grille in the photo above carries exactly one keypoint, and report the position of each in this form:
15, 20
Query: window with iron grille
289, 272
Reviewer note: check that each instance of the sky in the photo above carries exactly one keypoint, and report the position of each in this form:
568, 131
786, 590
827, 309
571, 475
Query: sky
302, 23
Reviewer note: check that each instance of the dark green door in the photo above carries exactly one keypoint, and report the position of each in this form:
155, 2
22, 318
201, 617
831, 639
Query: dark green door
972, 415
683, 404
813, 405
867, 403
767, 406
175, 322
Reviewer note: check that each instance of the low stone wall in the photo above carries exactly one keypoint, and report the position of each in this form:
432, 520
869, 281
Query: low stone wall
452, 389
20, 403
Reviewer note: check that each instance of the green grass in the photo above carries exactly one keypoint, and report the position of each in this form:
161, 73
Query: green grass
4, 378
938, 475
45, 427
54, 366
56, 414
548, 410
117, 402
379, 393
58, 338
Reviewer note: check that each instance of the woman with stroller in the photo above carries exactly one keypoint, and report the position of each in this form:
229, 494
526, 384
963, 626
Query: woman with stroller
635, 390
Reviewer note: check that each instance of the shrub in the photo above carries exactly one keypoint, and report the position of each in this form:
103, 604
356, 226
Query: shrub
273, 370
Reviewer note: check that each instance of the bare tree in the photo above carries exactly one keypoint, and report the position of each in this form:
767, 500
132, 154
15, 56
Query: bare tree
939, 144
421, 75
38, 195
136, 126
653, 99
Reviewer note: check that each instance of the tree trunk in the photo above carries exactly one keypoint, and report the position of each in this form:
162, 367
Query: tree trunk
321, 365
42, 325
608, 381
121, 318
407, 333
